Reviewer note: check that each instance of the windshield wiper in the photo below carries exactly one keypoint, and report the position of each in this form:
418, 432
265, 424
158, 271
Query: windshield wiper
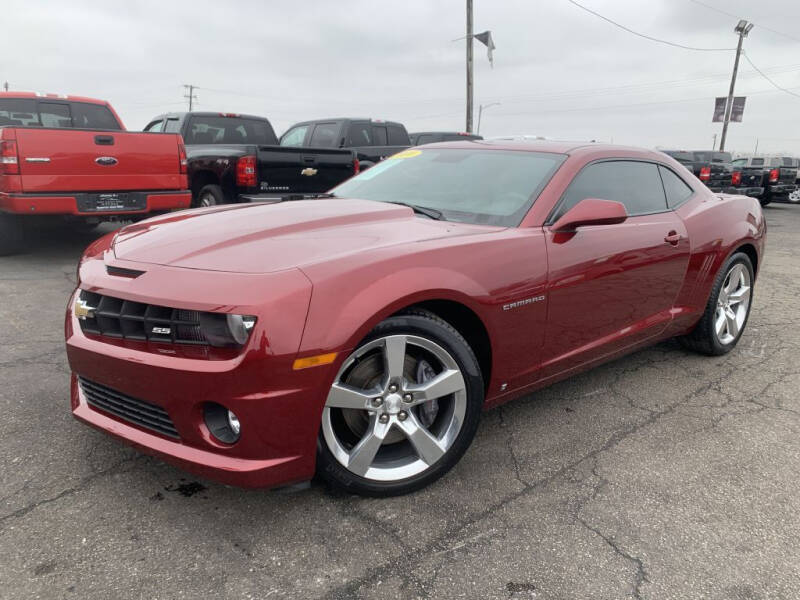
431, 213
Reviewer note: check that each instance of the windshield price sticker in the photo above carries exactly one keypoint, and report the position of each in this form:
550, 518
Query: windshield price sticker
405, 154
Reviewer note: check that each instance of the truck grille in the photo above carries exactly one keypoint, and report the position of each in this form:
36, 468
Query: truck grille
128, 409
114, 317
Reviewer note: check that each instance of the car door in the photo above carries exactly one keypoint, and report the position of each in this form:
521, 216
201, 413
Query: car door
611, 286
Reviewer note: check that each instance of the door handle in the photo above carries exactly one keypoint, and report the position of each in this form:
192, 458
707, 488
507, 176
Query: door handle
673, 237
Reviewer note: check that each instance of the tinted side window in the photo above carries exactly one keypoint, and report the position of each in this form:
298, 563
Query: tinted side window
55, 115
636, 184
398, 136
154, 127
93, 116
295, 136
676, 188
173, 126
359, 134
427, 138
325, 135
379, 135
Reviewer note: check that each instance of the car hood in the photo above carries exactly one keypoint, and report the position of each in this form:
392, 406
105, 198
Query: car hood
261, 238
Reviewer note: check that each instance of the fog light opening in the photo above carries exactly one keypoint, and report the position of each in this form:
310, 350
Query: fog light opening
223, 424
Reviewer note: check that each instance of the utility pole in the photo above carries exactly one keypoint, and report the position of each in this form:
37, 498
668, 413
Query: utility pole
742, 28
191, 95
714, 145
5, 86
469, 66
481, 108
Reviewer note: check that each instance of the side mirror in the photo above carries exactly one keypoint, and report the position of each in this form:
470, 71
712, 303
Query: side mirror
591, 211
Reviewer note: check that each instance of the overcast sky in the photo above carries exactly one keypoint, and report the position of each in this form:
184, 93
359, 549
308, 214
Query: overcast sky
559, 71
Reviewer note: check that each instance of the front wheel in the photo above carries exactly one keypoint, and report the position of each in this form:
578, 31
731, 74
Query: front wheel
402, 409
728, 308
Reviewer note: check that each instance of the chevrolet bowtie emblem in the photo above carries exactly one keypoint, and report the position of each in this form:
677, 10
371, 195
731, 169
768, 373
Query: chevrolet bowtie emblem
83, 311
308, 171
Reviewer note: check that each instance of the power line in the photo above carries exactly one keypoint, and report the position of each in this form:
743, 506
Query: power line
647, 37
724, 12
191, 96
760, 72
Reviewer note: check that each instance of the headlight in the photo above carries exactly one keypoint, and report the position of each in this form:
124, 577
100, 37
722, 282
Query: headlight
226, 330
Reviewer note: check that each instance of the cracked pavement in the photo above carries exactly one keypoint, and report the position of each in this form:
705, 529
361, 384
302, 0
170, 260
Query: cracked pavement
663, 474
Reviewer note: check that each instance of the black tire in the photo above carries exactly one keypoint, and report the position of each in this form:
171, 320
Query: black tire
423, 324
764, 201
12, 234
794, 197
703, 338
209, 195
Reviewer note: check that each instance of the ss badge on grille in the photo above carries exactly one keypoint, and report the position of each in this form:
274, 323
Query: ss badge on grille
162, 330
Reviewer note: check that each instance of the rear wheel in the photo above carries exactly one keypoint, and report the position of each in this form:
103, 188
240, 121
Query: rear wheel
209, 195
764, 201
12, 234
403, 408
728, 308
794, 197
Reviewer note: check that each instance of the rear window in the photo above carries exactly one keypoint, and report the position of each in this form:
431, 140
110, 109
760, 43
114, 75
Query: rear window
359, 134
757, 162
721, 157
379, 135
27, 112
684, 157
230, 130
18, 112
93, 116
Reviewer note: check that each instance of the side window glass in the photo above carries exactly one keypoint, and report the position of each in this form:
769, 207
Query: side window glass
397, 136
173, 126
360, 134
676, 188
379, 135
55, 115
154, 127
324, 135
426, 139
636, 184
294, 137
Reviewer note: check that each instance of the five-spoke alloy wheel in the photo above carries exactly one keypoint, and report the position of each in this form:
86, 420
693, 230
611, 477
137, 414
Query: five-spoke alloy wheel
402, 409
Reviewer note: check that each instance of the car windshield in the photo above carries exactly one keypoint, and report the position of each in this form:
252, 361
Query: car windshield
492, 187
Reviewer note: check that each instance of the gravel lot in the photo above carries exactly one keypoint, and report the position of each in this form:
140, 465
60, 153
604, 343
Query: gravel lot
660, 475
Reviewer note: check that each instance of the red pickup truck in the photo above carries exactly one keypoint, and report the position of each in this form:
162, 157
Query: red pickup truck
71, 158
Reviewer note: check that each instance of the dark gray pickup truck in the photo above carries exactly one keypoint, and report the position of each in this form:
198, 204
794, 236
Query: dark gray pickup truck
370, 139
776, 174
237, 158
716, 170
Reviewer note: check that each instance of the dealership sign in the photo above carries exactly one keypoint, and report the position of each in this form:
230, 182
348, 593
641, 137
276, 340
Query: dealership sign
736, 112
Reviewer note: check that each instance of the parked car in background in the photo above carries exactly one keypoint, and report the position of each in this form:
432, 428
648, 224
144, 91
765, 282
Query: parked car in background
372, 140
776, 174
716, 170
432, 137
236, 158
361, 336
70, 160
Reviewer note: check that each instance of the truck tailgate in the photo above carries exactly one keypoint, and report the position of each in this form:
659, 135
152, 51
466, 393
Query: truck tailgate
752, 176
76, 160
286, 169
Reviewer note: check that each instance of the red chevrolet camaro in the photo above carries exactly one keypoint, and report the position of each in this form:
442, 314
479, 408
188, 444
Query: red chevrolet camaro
360, 335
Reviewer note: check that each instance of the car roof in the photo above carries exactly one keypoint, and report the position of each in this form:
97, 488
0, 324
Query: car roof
377, 121
194, 113
464, 133
556, 147
40, 96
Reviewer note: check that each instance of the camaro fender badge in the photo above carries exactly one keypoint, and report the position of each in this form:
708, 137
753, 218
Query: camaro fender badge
309, 172
523, 302
83, 311
162, 330
106, 161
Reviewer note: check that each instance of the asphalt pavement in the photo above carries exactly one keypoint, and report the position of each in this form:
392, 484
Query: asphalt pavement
663, 474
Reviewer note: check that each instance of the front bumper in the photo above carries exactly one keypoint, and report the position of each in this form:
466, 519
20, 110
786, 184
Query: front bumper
279, 408
67, 204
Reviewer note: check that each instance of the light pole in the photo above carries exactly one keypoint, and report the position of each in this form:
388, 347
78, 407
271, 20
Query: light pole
742, 28
469, 66
481, 108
